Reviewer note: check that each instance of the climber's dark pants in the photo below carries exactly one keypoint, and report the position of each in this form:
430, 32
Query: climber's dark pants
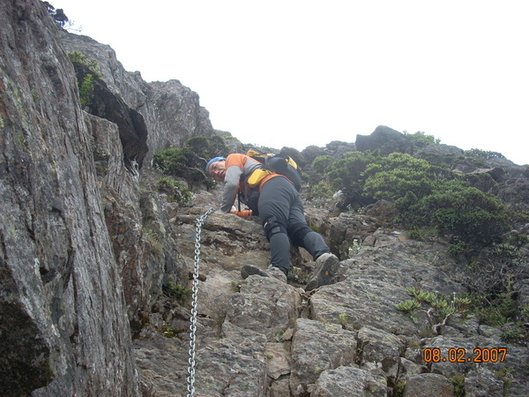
281, 212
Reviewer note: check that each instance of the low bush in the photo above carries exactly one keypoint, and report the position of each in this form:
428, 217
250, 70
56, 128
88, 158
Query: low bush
462, 212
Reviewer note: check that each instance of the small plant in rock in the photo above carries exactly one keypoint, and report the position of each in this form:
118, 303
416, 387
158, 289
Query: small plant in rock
458, 380
457, 248
505, 374
87, 70
343, 319
86, 88
398, 389
220, 317
408, 306
169, 331
436, 307
154, 241
177, 291
82, 59
354, 248
420, 295
235, 286
176, 191
515, 333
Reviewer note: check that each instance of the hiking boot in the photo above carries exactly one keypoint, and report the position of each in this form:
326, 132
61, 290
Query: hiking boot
277, 273
328, 265
251, 270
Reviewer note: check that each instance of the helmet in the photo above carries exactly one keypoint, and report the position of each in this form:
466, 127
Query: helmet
213, 160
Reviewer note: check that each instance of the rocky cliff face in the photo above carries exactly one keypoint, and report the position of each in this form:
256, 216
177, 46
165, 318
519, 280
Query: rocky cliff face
264, 337
64, 329
95, 263
171, 111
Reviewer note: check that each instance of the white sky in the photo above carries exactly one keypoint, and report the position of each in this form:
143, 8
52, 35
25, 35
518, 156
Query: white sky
304, 72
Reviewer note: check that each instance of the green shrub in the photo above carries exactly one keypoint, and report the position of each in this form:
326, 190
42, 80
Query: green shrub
79, 58
457, 248
86, 88
422, 233
173, 161
483, 154
177, 291
322, 163
426, 196
464, 212
207, 147
396, 175
421, 139
503, 310
188, 162
321, 191
182, 163
87, 71
347, 174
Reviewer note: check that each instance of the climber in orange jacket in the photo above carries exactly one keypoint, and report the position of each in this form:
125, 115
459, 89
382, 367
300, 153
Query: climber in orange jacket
274, 199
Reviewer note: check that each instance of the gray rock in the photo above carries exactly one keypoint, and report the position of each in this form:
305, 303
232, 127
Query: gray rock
317, 346
266, 305
384, 140
345, 229
277, 360
171, 111
427, 385
64, 328
349, 382
360, 302
279, 388
380, 347
482, 382
234, 365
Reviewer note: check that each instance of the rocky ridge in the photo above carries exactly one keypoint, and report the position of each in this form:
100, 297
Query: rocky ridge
104, 308
263, 337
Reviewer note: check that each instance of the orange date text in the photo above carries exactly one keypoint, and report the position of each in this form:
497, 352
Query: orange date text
464, 355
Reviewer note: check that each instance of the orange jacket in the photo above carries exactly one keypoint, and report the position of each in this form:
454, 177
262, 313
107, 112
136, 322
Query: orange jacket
240, 165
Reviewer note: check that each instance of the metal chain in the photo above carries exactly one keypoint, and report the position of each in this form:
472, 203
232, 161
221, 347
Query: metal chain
194, 299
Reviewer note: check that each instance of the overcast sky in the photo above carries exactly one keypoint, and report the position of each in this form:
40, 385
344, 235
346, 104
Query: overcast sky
300, 72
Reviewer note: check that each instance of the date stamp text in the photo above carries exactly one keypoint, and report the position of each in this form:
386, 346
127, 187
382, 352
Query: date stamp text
464, 355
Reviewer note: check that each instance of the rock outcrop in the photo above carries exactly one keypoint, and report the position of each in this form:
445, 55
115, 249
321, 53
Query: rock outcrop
171, 111
64, 328
385, 140
341, 339
103, 103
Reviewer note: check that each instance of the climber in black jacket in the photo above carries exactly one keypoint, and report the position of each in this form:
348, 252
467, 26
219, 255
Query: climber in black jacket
280, 210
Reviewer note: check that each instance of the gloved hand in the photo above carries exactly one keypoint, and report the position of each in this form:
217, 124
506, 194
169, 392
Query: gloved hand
244, 213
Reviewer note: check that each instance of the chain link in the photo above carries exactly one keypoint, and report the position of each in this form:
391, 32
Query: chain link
194, 301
